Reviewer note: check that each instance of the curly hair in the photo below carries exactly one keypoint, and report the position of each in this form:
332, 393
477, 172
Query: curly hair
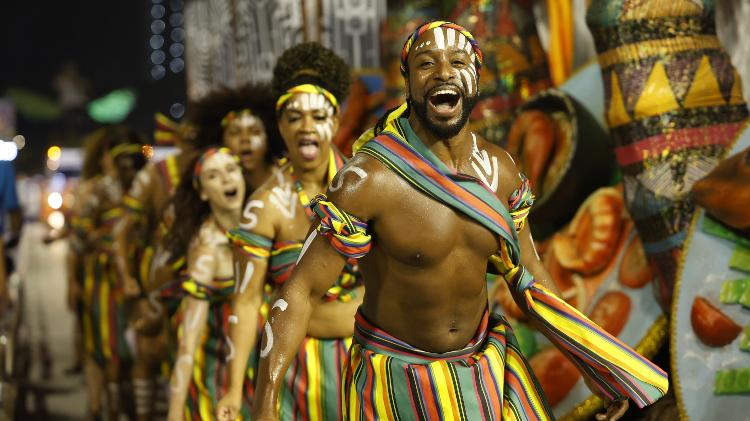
310, 62
207, 113
189, 210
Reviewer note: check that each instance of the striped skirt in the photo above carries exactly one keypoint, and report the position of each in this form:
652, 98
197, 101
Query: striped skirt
312, 387
387, 379
104, 312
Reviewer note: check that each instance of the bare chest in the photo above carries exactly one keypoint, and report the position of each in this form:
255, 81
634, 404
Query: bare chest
420, 231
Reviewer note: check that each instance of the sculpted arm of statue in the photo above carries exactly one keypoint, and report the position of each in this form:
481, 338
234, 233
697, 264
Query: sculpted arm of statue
250, 273
201, 267
317, 270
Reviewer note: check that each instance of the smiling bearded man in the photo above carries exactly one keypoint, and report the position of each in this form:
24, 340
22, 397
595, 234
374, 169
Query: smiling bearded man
435, 206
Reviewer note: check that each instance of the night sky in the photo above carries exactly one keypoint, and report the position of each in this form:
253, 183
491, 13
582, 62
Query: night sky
107, 41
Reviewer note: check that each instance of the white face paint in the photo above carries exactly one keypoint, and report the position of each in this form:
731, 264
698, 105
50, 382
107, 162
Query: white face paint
310, 101
489, 167
247, 119
423, 44
256, 142
439, 38
309, 241
450, 36
202, 270
325, 130
282, 305
285, 200
249, 219
338, 181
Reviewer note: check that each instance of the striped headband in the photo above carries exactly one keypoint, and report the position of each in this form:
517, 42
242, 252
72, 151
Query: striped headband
232, 115
470, 42
307, 88
209, 153
126, 148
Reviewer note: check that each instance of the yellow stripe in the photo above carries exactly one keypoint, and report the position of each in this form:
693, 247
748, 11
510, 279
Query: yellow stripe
174, 172
446, 392
380, 386
611, 352
315, 380
657, 47
104, 315
353, 403
515, 363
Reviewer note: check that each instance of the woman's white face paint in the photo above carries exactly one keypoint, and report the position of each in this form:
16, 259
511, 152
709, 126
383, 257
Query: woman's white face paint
310, 101
282, 305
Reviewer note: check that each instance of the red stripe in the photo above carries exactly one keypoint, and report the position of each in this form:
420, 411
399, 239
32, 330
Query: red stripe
429, 400
490, 385
720, 134
454, 189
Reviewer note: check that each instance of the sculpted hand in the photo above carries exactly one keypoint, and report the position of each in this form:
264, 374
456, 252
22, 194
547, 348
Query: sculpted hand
228, 408
615, 409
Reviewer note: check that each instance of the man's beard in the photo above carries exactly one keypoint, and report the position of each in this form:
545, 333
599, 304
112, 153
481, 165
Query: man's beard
444, 130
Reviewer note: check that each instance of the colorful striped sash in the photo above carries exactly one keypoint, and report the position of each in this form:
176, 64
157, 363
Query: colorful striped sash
169, 173
617, 369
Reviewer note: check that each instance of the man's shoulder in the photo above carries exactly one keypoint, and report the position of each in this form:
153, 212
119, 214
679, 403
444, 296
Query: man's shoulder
504, 158
361, 186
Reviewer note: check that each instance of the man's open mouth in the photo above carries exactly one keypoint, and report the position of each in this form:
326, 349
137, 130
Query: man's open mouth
444, 101
309, 148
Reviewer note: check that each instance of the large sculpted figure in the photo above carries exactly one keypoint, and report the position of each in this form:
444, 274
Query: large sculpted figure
673, 104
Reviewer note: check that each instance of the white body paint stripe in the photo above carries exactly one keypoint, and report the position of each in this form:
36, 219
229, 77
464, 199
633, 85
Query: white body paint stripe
309, 241
338, 182
281, 304
249, 269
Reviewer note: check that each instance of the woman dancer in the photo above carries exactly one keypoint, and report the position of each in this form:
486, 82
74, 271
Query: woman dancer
103, 295
309, 80
207, 202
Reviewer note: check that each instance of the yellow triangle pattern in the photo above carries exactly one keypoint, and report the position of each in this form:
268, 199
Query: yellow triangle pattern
617, 115
657, 96
704, 91
735, 95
